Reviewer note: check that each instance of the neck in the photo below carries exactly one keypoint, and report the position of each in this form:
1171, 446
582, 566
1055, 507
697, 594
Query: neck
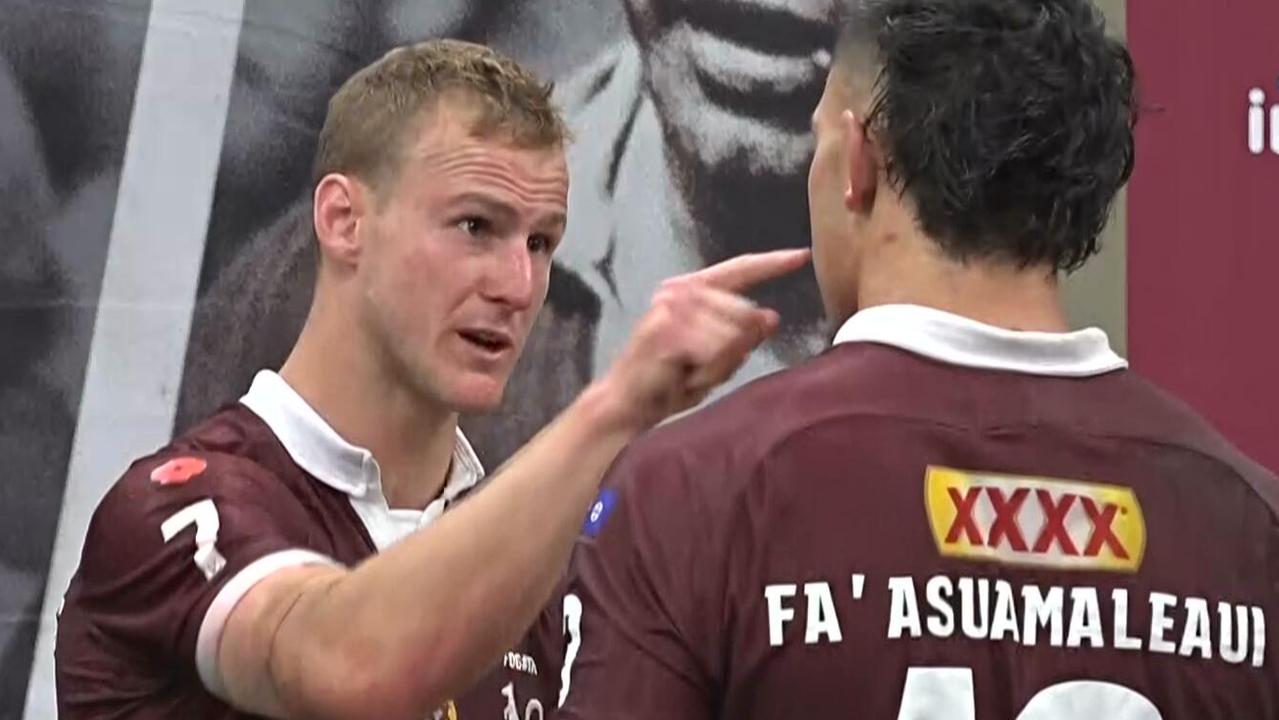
910, 268
333, 369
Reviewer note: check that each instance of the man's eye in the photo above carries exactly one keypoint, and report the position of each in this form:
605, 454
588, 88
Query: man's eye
473, 225
540, 244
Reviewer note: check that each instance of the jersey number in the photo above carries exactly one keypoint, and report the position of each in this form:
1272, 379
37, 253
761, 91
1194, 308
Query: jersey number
947, 694
204, 515
934, 693
572, 628
532, 711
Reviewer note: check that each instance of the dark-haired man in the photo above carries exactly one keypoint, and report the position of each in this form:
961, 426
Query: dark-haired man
963, 510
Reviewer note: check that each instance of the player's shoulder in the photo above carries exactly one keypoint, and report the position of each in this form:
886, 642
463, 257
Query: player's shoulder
130, 525
221, 458
727, 443
181, 470
1169, 421
762, 414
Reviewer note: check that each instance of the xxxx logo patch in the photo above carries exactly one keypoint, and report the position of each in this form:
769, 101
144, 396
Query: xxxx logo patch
1049, 522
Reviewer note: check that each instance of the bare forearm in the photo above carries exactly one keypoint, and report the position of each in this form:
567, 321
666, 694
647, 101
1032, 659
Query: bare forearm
415, 625
435, 611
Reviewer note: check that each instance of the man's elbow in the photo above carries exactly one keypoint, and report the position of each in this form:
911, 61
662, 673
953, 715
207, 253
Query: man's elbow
363, 680
335, 658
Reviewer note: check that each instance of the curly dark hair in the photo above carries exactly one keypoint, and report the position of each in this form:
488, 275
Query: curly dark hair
1009, 123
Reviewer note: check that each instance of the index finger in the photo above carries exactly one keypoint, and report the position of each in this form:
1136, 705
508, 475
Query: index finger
745, 271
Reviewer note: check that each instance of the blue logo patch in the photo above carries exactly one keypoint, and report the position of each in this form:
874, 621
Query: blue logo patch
599, 512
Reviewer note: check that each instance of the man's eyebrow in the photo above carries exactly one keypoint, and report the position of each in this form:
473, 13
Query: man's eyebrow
556, 219
490, 203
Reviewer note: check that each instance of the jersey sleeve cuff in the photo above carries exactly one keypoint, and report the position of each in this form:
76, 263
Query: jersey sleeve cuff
210, 636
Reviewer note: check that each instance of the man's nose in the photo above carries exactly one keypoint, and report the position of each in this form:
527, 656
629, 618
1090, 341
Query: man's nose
511, 280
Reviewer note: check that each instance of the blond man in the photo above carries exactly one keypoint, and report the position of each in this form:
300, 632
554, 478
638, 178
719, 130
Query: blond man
306, 552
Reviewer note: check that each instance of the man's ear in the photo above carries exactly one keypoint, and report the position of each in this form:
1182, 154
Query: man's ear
340, 204
863, 165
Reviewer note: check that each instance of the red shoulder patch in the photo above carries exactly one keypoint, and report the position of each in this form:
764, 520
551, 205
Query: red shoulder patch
178, 471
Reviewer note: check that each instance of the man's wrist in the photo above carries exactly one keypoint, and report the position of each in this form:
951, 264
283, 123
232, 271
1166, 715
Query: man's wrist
608, 410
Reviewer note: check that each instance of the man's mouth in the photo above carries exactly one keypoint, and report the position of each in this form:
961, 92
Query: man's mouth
490, 341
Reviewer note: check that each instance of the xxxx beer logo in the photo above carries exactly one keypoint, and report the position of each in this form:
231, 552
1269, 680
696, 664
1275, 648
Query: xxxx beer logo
1034, 521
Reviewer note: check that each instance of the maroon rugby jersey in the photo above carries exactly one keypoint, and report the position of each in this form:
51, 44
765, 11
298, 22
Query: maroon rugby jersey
184, 534
934, 519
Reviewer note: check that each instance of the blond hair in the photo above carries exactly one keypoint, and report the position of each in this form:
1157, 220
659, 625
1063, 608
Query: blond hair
371, 115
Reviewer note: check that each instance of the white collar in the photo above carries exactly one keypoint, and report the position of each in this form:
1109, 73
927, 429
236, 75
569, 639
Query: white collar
962, 341
317, 448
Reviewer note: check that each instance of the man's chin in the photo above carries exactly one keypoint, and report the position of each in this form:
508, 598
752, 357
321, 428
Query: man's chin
478, 402
471, 392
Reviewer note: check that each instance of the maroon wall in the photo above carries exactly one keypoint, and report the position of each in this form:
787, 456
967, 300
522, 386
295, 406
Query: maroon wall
1203, 233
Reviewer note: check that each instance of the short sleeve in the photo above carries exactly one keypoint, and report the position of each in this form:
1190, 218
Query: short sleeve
641, 622
171, 549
